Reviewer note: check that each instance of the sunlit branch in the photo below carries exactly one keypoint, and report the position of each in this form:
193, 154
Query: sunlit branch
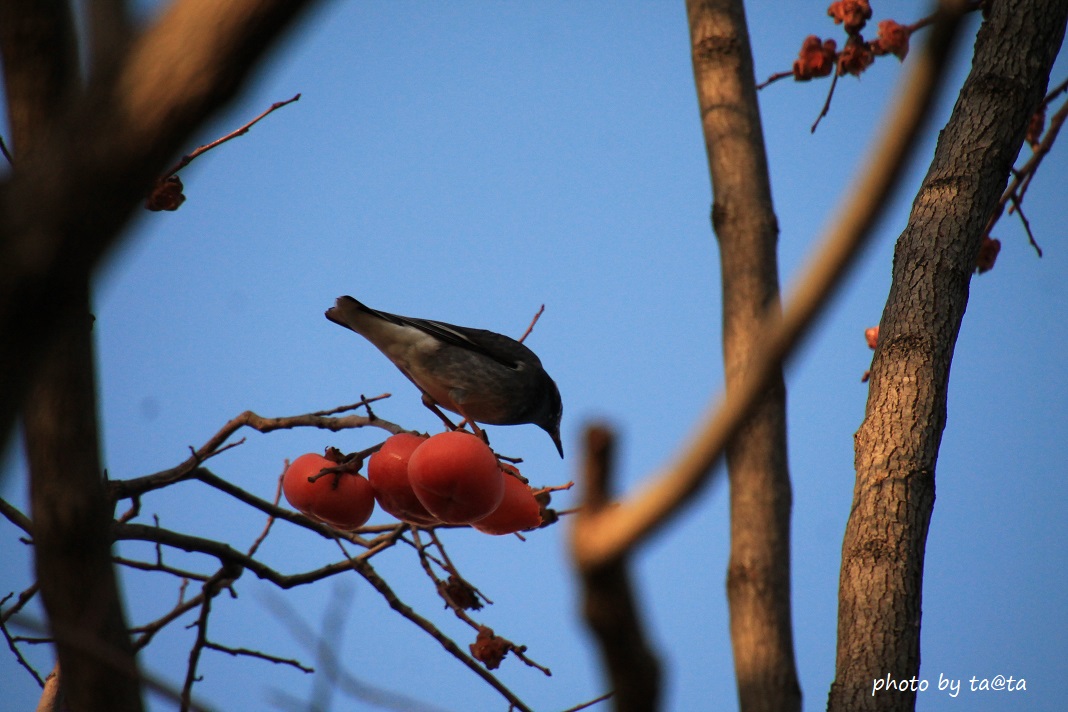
619, 528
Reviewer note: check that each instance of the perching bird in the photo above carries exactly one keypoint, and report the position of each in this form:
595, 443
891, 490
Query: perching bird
484, 376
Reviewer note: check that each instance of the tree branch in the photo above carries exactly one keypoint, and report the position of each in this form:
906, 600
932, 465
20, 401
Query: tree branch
70, 512
743, 217
69, 199
896, 447
608, 601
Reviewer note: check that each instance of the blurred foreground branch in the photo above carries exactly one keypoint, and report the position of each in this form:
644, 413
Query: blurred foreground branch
69, 198
617, 529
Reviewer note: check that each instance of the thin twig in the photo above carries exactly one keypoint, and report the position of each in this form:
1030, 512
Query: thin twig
469, 589
364, 402
826, 104
198, 646
270, 517
148, 631
603, 698
1023, 176
1026, 223
379, 584
188, 158
236, 652
14, 647
13, 515
7, 154
1055, 92
159, 566
771, 80
451, 568
24, 598
541, 310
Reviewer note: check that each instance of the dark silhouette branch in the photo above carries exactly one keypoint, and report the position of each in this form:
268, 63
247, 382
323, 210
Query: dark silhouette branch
608, 600
69, 199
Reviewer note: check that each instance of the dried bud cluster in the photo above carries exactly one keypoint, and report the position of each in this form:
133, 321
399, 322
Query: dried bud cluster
893, 39
488, 648
818, 58
988, 254
166, 194
852, 14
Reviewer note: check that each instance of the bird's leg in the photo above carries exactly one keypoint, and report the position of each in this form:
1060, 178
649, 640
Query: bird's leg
433, 406
475, 429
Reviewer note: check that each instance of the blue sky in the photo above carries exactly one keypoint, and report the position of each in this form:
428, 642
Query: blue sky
470, 163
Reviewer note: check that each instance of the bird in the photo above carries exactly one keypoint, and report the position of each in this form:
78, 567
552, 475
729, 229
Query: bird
481, 375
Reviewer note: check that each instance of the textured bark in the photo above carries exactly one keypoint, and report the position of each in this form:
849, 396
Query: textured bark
758, 578
897, 445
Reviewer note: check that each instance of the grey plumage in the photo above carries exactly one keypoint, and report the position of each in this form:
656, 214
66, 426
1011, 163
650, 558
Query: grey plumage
484, 376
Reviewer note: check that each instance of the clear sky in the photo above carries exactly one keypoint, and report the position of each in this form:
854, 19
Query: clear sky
469, 163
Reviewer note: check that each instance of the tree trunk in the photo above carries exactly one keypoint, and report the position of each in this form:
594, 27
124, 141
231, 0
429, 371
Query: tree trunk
896, 446
70, 511
758, 578
71, 526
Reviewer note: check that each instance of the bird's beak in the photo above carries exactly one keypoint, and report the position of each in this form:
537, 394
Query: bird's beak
555, 435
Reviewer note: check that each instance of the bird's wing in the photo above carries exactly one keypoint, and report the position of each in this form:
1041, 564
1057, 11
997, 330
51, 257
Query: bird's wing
497, 347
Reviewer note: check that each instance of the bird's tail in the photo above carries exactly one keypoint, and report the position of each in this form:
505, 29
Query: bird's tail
347, 312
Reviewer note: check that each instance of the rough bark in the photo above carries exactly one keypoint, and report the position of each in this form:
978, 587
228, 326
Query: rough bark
758, 578
897, 445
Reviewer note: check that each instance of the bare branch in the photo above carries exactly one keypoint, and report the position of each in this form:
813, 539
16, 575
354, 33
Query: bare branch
24, 598
236, 652
1023, 175
11, 642
608, 600
537, 315
121, 489
590, 703
190, 157
826, 104
270, 518
149, 630
13, 515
